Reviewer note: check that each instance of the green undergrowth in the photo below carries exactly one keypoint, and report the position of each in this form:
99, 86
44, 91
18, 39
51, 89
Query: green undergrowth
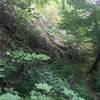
39, 79
95, 77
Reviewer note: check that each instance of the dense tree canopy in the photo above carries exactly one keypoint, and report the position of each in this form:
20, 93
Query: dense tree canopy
49, 49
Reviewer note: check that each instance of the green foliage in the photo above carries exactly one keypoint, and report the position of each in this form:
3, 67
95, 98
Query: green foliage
46, 82
71, 20
31, 58
20, 57
6, 68
25, 63
39, 96
44, 87
64, 94
81, 19
72, 95
38, 78
2, 69
71, 39
9, 96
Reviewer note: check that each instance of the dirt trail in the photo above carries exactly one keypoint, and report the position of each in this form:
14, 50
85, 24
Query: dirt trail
88, 82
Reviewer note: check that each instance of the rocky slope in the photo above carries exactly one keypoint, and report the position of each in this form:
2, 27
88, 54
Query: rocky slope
32, 36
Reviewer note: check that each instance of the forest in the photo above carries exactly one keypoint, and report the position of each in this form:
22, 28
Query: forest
49, 49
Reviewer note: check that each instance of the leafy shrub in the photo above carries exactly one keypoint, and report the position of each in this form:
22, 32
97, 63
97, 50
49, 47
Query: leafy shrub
5, 69
25, 57
64, 94
71, 94
39, 96
45, 81
9, 96
71, 77
22, 65
44, 86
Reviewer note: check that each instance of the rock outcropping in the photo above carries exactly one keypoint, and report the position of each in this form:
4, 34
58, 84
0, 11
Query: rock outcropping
32, 36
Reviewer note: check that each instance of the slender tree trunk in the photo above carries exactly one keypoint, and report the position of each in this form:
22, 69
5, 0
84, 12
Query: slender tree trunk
95, 65
63, 4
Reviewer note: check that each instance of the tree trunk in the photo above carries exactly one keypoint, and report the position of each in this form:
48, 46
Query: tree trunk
94, 67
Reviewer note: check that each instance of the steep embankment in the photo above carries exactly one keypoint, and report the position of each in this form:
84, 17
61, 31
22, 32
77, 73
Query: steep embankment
18, 33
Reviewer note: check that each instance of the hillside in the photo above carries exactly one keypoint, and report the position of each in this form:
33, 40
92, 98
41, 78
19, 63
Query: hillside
49, 50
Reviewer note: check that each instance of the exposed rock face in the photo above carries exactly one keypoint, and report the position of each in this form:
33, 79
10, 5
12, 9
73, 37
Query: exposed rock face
27, 35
